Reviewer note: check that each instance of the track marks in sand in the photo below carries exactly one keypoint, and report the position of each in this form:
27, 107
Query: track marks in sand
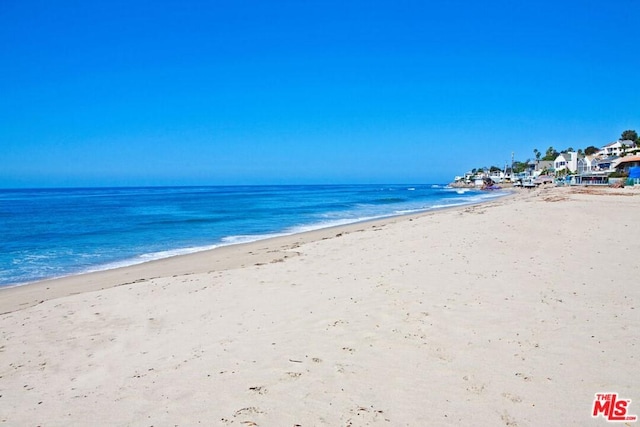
474, 387
513, 398
259, 402
258, 390
508, 420
244, 416
525, 377
364, 415
474, 210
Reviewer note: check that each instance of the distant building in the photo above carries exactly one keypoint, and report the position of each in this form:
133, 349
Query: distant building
607, 164
627, 162
567, 160
633, 151
587, 164
616, 149
542, 166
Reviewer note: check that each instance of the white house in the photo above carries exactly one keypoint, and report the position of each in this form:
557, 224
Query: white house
611, 150
587, 164
567, 160
616, 149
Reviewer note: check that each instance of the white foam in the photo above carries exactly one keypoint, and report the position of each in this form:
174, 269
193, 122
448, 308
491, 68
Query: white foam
153, 256
451, 205
332, 220
329, 224
409, 211
247, 238
175, 252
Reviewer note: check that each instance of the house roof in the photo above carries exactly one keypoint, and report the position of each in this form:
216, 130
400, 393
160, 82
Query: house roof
629, 159
609, 159
626, 142
611, 143
545, 163
588, 159
569, 155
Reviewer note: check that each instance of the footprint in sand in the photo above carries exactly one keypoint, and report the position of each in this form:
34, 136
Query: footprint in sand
508, 420
512, 397
293, 375
258, 390
251, 410
366, 415
476, 389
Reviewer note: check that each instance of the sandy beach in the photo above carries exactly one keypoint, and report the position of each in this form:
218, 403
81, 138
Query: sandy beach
515, 312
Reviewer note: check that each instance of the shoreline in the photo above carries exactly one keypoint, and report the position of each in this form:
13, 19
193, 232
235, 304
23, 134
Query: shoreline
517, 311
189, 242
242, 256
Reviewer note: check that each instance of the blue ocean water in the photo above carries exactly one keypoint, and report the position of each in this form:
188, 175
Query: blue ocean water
50, 233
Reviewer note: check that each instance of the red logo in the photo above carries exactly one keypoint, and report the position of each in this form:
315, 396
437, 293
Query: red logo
611, 408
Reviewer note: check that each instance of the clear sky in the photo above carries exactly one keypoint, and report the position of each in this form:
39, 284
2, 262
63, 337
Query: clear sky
273, 92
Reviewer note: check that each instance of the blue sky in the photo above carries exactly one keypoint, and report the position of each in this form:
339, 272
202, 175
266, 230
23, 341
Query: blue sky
275, 92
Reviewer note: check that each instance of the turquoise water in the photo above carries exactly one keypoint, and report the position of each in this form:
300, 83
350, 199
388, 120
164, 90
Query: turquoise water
46, 233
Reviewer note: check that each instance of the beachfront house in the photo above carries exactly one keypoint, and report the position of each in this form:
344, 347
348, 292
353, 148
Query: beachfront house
630, 167
627, 162
497, 176
543, 167
587, 164
607, 164
617, 149
566, 161
590, 171
628, 148
633, 151
610, 150
590, 178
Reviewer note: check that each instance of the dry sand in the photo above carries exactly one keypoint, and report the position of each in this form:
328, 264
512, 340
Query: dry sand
515, 312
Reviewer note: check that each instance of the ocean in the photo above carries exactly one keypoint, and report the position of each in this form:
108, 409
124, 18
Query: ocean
47, 233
